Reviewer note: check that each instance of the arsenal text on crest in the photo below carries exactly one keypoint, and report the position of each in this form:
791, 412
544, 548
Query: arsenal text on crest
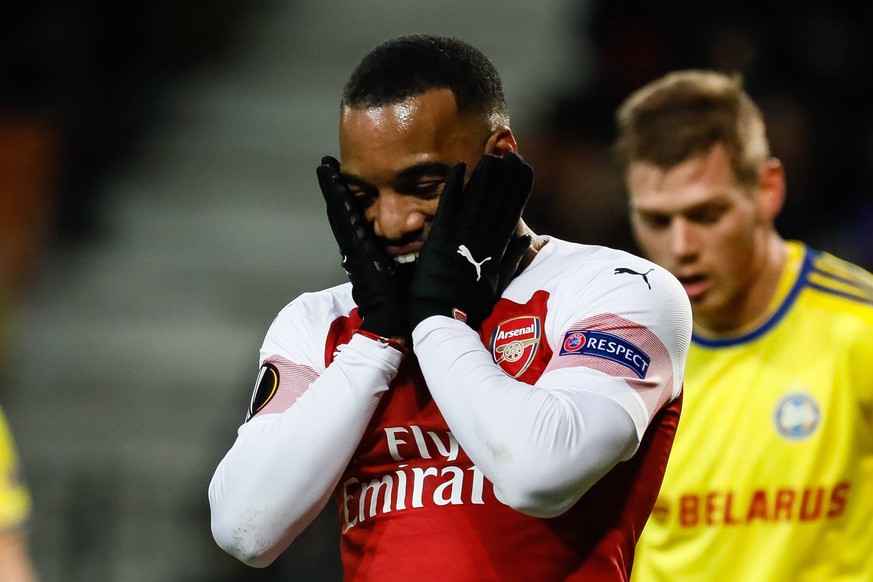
514, 343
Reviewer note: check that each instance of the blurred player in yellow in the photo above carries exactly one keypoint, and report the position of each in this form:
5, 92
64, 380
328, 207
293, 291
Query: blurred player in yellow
771, 474
15, 565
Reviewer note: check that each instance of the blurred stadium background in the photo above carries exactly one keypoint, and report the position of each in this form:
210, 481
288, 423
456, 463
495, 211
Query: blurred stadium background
158, 206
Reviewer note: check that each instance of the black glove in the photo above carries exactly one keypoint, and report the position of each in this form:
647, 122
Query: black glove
377, 286
471, 253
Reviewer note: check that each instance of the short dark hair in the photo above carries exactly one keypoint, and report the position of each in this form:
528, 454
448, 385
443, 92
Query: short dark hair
411, 65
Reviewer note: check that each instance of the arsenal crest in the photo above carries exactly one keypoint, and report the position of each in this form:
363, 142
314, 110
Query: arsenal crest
514, 343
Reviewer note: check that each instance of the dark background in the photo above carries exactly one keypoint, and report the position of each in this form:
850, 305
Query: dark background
808, 66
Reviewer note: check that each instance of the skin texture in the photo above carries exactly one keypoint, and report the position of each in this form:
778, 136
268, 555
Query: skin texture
15, 563
715, 235
395, 158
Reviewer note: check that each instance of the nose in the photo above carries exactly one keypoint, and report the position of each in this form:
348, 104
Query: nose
683, 239
394, 216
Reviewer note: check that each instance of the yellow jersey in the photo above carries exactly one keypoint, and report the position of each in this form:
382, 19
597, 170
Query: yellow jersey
14, 498
771, 474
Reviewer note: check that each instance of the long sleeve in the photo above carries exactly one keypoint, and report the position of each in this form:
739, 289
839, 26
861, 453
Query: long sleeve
618, 348
542, 446
282, 468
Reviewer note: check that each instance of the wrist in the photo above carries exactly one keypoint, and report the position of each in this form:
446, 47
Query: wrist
396, 342
421, 309
441, 327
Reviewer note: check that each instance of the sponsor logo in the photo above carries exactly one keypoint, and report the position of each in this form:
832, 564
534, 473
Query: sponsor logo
431, 472
600, 344
514, 343
465, 252
796, 416
625, 270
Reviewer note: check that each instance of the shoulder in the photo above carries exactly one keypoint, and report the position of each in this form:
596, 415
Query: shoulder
840, 286
837, 303
594, 260
612, 277
607, 302
326, 304
839, 297
14, 496
300, 329
594, 285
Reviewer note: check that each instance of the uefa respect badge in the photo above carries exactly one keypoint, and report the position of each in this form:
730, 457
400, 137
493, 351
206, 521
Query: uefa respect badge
514, 343
608, 346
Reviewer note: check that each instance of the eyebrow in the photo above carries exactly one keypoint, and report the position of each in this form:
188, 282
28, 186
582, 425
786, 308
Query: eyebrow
697, 207
412, 172
424, 169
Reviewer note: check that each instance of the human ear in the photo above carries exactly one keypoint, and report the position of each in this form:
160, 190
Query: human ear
501, 142
771, 179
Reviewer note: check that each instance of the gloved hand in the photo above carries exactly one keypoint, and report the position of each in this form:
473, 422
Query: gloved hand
471, 254
377, 285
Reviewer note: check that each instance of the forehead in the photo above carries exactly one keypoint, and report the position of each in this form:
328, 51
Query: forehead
423, 128
698, 180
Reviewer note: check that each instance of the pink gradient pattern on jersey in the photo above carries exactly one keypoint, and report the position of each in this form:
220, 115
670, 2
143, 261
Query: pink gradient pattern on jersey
294, 380
655, 389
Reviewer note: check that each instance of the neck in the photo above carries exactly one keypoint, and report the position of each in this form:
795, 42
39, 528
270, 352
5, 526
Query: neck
751, 305
536, 243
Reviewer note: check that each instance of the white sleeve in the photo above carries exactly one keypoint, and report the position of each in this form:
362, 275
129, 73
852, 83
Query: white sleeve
544, 445
283, 467
541, 448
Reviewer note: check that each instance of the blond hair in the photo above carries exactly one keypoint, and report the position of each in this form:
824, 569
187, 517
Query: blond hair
683, 114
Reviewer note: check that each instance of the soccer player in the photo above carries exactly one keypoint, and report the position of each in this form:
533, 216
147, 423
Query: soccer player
15, 563
771, 475
480, 402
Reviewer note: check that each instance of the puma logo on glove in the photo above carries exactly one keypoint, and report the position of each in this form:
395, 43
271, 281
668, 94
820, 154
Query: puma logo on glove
477, 219
465, 252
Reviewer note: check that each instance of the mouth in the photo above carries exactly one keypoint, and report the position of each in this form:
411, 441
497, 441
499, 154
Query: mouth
407, 258
695, 285
407, 253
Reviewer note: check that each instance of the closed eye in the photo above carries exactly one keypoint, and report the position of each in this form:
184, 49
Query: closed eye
424, 180
654, 220
426, 189
709, 214
363, 193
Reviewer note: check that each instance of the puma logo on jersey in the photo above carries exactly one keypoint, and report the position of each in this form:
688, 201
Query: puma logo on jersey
465, 252
623, 270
